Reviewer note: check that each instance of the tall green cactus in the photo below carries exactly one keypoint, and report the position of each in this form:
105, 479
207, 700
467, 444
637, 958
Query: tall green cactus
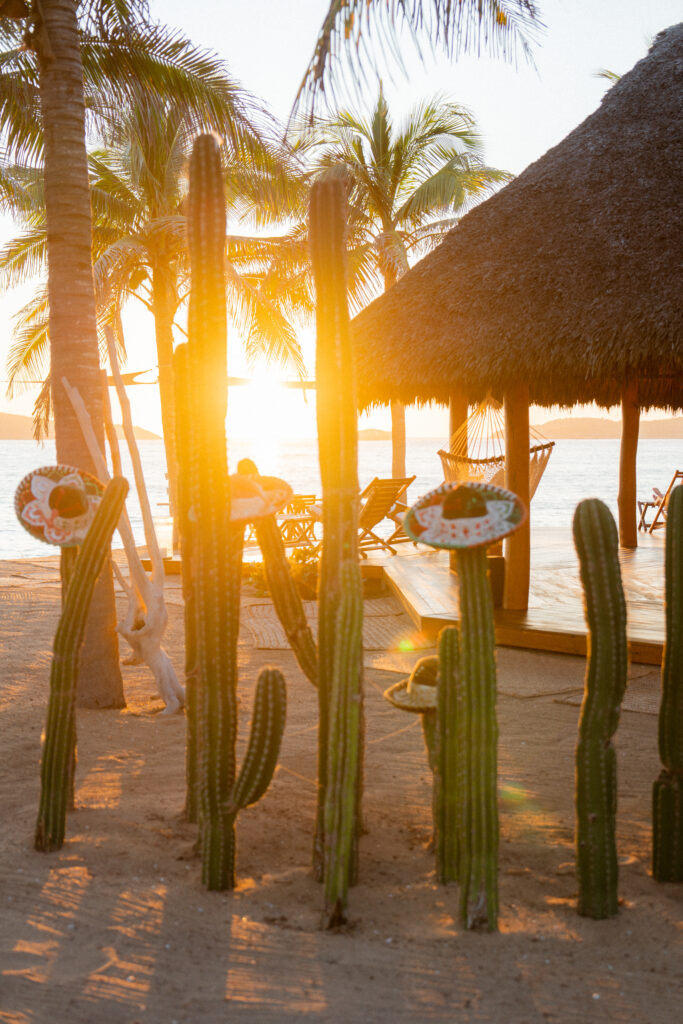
667, 796
445, 794
184, 440
56, 771
216, 546
340, 594
596, 540
467, 742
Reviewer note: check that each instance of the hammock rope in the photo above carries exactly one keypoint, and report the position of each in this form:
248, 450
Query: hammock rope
477, 454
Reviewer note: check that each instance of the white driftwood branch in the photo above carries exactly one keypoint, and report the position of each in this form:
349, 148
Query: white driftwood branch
146, 616
129, 434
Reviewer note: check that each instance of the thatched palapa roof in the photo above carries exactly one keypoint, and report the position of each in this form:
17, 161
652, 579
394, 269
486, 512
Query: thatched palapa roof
568, 278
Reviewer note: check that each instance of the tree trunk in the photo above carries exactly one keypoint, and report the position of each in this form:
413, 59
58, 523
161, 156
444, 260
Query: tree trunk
73, 334
164, 301
630, 427
457, 413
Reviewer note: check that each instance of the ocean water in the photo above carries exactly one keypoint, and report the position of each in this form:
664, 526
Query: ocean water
576, 470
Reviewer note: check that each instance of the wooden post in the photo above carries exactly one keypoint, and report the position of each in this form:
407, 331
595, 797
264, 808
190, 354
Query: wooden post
457, 412
517, 546
630, 425
398, 439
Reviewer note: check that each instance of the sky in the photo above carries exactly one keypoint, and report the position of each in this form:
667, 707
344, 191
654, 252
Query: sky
522, 111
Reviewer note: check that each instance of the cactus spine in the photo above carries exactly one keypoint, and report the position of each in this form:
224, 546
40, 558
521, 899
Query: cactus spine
596, 540
340, 594
466, 793
216, 546
667, 796
56, 771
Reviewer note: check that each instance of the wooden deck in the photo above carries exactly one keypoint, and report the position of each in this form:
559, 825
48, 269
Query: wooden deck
554, 621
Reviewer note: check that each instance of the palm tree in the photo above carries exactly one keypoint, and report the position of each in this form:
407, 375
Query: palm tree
43, 111
408, 185
139, 244
500, 26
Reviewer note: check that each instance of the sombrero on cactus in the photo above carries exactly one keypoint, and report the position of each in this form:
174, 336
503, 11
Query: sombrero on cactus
56, 504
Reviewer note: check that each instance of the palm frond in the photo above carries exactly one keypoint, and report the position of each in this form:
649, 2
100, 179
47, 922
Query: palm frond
351, 27
23, 258
42, 410
28, 358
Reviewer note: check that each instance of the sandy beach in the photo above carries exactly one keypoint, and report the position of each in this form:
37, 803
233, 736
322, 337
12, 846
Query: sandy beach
116, 927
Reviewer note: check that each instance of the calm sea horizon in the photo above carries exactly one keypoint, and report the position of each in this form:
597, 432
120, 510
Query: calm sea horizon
577, 469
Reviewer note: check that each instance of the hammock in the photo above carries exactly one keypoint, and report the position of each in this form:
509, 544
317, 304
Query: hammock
476, 452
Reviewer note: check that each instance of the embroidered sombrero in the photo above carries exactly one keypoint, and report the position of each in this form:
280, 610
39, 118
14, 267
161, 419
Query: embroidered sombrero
56, 504
417, 692
464, 516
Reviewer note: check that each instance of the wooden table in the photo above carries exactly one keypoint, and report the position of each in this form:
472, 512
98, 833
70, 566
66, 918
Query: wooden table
298, 530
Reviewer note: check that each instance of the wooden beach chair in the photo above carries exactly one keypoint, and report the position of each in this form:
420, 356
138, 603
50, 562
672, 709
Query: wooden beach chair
379, 500
661, 502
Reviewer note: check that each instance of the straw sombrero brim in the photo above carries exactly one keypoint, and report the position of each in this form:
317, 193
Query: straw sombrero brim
418, 698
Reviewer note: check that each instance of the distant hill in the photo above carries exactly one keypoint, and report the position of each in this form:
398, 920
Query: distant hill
599, 428
20, 428
374, 435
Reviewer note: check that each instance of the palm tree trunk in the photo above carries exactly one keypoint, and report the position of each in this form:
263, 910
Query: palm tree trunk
164, 301
73, 334
398, 410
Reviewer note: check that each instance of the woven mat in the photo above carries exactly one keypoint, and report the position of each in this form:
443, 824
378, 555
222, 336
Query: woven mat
525, 676
643, 695
385, 627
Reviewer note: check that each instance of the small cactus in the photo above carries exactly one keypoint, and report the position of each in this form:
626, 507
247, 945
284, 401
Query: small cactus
340, 594
667, 797
596, 539
467, 518
268, 722
57, 765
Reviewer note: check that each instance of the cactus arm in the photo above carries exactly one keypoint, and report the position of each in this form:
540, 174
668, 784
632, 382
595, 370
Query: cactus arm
286, 598
58, 751
596, 539
667, 862
267, 726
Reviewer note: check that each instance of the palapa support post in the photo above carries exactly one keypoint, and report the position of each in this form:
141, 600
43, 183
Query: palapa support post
517, 547
627, 502
457, 413
398, 439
